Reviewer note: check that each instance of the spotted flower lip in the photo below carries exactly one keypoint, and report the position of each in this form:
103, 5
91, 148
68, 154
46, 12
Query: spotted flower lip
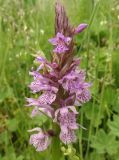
45, 98
67, 121
68, 137
61, 43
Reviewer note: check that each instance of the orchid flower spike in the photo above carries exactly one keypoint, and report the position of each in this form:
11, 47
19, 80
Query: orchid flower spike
59, 86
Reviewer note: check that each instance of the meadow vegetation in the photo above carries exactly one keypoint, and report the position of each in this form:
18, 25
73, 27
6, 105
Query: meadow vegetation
25, 27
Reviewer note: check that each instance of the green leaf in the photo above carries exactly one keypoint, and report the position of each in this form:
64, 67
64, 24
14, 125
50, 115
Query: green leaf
20, 158
116, 156
12, 124
10, 156
114, 125
104, 143
93, 114
110, 95
40, 120
0, 157
4, 137
6, 92
115, 67
95, 156
116, 105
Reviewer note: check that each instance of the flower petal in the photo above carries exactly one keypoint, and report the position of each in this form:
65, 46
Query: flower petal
80, 28
53, 41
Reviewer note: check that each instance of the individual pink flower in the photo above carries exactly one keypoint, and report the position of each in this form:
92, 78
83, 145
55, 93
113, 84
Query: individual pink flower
66, 118
61, 43
39, 140
42, 104
44, 63
46, 98
80, 28
71, 79
42, 83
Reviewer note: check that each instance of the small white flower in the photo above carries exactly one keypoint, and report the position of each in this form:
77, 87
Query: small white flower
42, 31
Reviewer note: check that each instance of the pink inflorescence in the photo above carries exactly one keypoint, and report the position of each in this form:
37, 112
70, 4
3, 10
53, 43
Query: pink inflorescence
61, 43
61, 86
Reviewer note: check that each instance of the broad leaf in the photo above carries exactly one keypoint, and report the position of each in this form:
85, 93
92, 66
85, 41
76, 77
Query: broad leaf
114, 125
104, 143
12, 124
92, 113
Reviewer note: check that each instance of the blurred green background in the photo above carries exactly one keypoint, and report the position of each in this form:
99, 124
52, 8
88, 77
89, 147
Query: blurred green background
25, 27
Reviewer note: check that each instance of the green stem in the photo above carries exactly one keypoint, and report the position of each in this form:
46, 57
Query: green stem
80, 137
55, 148
56, 152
